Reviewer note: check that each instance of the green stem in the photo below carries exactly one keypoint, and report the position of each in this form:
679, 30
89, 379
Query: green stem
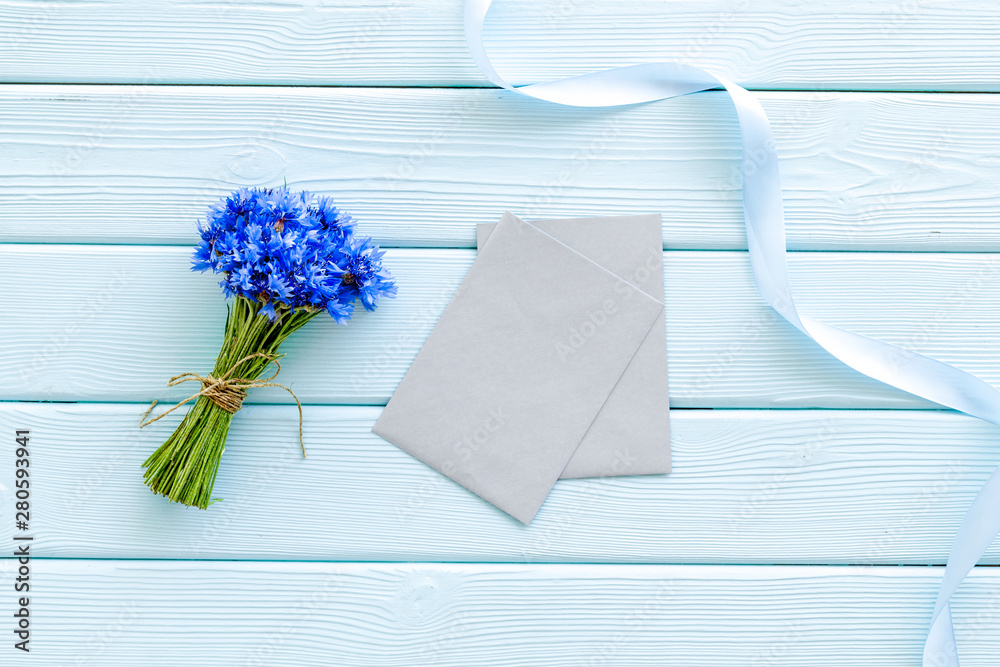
185, 466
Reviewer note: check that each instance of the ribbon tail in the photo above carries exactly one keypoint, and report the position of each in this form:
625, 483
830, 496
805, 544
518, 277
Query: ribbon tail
765, 229
940, 649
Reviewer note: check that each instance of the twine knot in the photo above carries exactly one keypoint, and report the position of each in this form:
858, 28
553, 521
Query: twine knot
226, 392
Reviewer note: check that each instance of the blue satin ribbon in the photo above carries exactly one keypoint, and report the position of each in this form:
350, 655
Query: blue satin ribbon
765, 228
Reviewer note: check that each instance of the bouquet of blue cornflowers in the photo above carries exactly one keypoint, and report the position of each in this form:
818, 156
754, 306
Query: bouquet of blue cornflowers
285, 257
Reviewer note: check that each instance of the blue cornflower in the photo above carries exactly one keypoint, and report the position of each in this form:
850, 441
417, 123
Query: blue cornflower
327, 217
361, 273
285, 250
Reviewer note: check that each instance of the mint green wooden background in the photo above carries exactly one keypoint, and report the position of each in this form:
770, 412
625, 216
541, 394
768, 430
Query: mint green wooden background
807, 501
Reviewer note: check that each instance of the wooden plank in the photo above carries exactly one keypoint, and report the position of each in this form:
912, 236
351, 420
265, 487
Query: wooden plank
400, 615
140, 164
786, 486
113, 323
923, 44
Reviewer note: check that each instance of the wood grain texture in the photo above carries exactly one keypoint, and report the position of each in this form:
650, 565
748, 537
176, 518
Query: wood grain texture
399, 615
139, 164
107, 324
892, 45
786, 486
113, 323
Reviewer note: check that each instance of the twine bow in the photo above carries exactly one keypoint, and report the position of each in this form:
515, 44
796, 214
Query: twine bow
227, 393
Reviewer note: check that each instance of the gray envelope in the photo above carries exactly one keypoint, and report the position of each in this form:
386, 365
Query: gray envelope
514, 375
631, 434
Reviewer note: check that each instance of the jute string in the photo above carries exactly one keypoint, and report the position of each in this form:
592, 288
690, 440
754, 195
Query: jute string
226, 392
